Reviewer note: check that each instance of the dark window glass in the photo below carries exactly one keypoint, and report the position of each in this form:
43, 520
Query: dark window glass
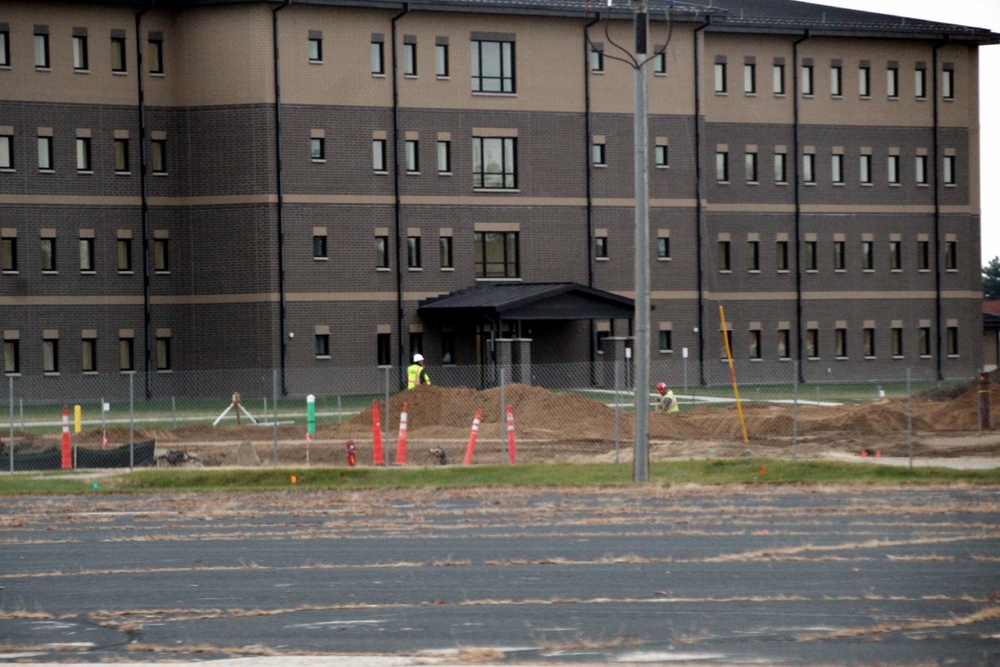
496, 255
492, 67
494, 162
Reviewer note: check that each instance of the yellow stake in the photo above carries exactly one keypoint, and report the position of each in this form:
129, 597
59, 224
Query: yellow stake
732, 374
76, 418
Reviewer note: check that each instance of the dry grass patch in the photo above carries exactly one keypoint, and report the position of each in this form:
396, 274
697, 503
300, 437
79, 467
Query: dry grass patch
987, 614
25, 615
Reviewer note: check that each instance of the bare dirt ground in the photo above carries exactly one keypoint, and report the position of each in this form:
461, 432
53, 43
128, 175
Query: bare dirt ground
558, 426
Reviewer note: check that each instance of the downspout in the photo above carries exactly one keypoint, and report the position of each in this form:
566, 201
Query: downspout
279, 185
396, 197
590, 176
798, 203
147, 314
937, 216
698, 203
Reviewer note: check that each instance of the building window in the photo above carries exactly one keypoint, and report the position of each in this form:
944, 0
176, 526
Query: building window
724, 256
784, 344
868, 341
8, 254
662, 155
897, 342
924, 341
4, 47
601, 247
722, 167
892, 82
812, 343
948, 176
126, 353
50, 355
323, 345
83, 154
492, 67
839, 255
121, 156
951, 255
88, 355
48, 255
951, 341
444, 157
155, 55
413, 252
596, 59
809, 167
865, 81
378, 155
923, 255
948, 84
598, 155
412, 155
720, 78
441, 60
382, 252
80, 60
750, 78
780, 168
868, 255
319, 246
781, 255
840, 342
808, 85
118, 61
87, 255
663, 247
751, 167
753, 344
383, 342
124, 255
42, 50
811, 255
496, 255
158, 155
494, 162
161, 255
920, 83
865, 169
660, 61
410, 59
11, 356
893, 169
315, 46
895, 256
725, 349
378, 57
837, 168
317, 149
163, 353
45, 154
447, 347
836, 81
446, 252
778, 77
6, 151
920, 170
753, 255
666, 342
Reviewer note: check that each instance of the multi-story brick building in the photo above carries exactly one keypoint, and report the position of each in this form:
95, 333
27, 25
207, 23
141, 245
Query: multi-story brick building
208, 185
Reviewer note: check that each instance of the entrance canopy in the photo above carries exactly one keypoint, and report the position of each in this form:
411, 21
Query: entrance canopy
527, 301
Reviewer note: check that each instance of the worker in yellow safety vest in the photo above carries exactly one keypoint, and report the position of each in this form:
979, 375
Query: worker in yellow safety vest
415, 373
668, 402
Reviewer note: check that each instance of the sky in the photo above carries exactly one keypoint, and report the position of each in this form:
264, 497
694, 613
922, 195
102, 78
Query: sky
979, 14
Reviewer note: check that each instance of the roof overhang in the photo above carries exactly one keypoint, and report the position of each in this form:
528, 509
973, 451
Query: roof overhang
527, 301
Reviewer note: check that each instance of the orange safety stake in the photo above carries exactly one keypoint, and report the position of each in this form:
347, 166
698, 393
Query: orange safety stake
472, 437
511, 449
377, 458
401, 443
67, 450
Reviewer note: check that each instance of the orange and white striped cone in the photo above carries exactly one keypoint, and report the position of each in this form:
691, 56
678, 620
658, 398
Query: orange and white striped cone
401, 443
511, 448
67, 448
377, 458
472, 437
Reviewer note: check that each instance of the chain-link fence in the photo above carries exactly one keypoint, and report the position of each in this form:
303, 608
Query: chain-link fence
558, 412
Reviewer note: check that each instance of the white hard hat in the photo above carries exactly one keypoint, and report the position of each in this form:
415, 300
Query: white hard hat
418, 357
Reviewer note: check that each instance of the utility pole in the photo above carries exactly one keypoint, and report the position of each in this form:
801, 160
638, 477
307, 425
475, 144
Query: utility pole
640, 467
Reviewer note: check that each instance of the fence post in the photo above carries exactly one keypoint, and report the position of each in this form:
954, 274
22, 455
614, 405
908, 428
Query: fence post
385, 428
274, 422
10, 443
503, 402
131, 421
909, 417
795, 407
173, 409
618, 370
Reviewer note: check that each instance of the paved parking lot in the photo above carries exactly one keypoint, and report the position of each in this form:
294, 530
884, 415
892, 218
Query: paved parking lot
799, 576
